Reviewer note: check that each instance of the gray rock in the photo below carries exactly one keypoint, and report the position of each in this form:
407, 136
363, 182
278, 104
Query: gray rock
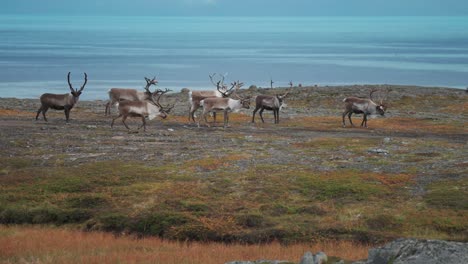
415, 251
378, 151
260, 262
320, 258
308, 258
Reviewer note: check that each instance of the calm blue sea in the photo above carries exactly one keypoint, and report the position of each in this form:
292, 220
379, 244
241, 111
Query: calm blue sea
37, 52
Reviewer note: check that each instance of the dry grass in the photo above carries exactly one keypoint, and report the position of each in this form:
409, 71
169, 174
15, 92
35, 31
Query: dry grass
51, 245
14, 113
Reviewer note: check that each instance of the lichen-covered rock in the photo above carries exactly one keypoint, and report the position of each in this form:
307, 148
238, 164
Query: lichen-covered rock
308, 258
415, 251
260, 262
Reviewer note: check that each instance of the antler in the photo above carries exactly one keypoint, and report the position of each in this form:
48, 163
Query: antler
149, 82
371, 92
225, 92
387, 90
159, 92
69, 83
85, 81
218, 83
236, 85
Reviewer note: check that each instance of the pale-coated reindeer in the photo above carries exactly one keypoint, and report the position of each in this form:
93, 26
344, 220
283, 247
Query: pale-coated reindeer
355, 105
150, 108
119, 94
225, 105
195, 97
270, 102
61, 101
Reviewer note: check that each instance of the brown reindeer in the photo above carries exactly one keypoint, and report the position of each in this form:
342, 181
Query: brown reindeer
355, 105
61, 101
270, 102
225, 105
120, 94
195, 97
147, 108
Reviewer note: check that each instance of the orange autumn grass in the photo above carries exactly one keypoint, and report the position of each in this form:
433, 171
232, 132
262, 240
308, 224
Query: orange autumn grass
53, 245
15, 113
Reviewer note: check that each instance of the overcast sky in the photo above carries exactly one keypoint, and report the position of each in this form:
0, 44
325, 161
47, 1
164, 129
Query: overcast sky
236, 7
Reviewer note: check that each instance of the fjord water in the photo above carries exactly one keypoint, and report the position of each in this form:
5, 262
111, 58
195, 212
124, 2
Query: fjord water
37, 52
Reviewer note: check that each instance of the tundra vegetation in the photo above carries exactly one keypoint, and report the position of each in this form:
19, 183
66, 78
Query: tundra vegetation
304, 180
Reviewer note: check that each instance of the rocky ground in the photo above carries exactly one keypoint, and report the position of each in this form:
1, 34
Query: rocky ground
88, 136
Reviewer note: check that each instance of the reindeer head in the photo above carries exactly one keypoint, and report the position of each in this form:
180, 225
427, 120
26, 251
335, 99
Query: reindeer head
245, 102
76, 92
380, 107
282, 97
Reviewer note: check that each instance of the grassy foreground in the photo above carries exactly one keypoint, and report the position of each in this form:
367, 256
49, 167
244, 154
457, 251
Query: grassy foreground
52, 245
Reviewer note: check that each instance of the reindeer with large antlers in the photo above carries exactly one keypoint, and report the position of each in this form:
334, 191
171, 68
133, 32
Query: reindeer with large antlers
120, 94
147, 108
195, 97
226, 105
270, 102
355, 105
61, 101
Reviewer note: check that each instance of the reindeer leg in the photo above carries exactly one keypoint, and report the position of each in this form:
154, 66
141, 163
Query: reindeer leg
214, 117
192, 110
254, 112
349, 117
364, 121
226, 119
38, 112
343, 117
44, 110
275, 114
261, 114
123, 121
112, 124
67, 114
107, 108
144, 124
206, 120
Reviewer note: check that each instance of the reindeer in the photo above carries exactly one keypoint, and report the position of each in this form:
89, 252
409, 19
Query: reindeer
120, 94
226, 105
147, 108
354, 105
195, 97
61, 101
270, 102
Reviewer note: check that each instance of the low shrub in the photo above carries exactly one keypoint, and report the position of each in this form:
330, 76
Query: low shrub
157, 224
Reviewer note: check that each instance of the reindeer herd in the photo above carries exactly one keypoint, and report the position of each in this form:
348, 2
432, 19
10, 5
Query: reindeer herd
146, 104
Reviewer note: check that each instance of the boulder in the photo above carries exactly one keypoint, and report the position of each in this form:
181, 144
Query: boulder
416, 251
